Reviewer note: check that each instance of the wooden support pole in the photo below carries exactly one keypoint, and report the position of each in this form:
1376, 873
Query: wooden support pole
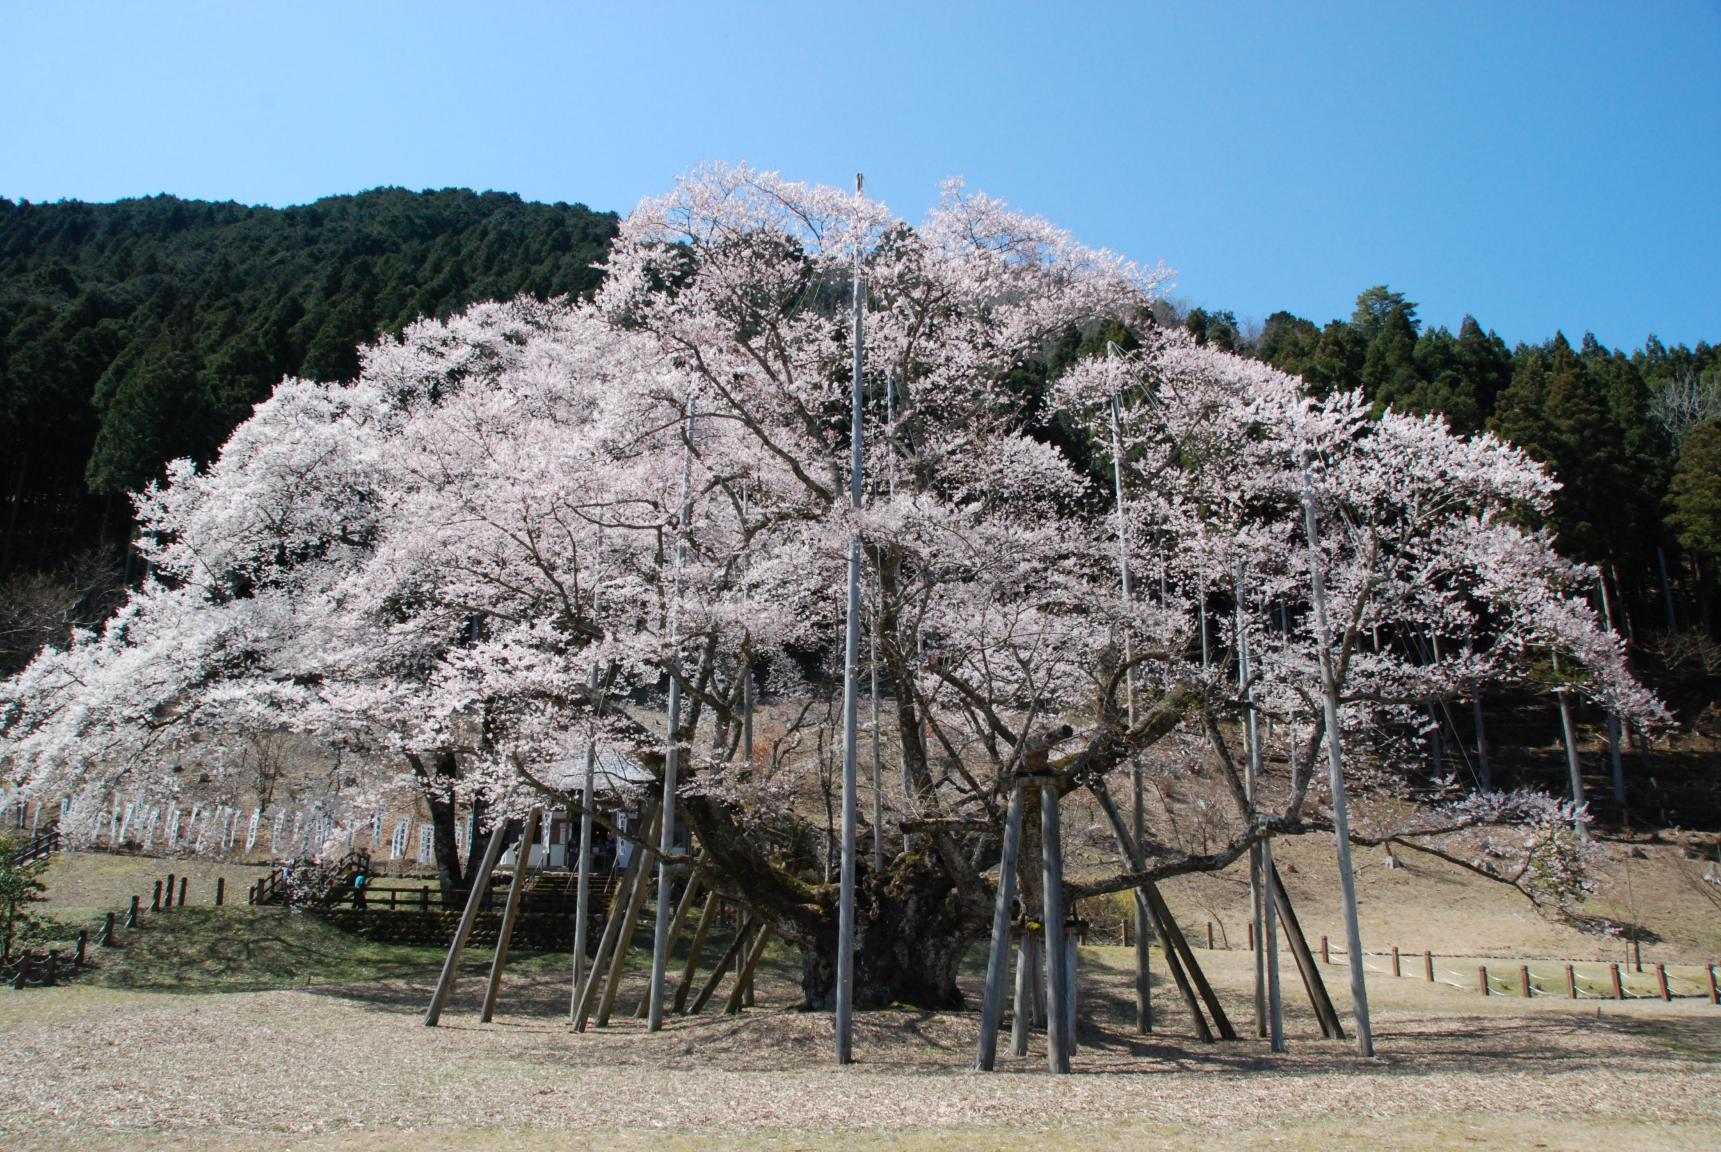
1057, 973
1186, 954
1326, 957
700, 932
1395, 968
1482, 972
220, 891
1618, 987
510, 913
169, 902
131, 914
1428, 965
998, 953
1661, 981
629, 922
722, 968
1210, 935
183, 881
744, 978
1313, 984
1571, 983
1071, 959
1714, 987
683, 908
1022, 1012
1270, 944
445, 982
607, 943
1147, 901
1524, 979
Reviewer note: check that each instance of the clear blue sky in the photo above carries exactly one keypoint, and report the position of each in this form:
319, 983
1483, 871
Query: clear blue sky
1543, 165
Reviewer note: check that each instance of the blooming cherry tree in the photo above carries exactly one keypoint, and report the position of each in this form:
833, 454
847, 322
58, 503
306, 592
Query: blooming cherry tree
438, 562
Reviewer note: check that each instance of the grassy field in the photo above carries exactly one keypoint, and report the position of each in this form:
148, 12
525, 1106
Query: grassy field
211, 1029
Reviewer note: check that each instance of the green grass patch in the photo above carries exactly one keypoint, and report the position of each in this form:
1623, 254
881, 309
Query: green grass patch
250, 949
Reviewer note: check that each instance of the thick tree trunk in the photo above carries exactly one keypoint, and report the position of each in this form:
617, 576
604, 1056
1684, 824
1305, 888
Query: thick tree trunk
437, 782
910, 935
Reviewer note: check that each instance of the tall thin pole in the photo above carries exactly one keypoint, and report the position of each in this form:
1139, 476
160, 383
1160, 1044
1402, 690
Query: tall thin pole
1336, 769
747, 667
1138, 810
1267, 935
672, 761
1481, 738
998, 955
583, 889
851, 685
1612, 718
1257, 902
1573, 765
877, 766
1060, 1029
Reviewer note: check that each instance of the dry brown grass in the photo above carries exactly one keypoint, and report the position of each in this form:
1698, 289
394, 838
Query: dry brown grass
352, 1067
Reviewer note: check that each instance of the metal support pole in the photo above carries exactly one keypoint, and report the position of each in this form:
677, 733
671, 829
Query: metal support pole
1481, 739
1138, 799
877, 768
583, 889
1336, 769
851, 687
1612, 719
672, 760
1573, 766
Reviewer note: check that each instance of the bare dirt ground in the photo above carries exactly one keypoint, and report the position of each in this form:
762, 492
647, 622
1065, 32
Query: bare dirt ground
351, 1066
264, 1029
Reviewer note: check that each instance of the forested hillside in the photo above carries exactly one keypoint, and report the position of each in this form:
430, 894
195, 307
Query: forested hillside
136, 332
1632, 436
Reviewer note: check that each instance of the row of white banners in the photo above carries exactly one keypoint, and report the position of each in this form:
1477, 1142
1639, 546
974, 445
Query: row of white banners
224, 828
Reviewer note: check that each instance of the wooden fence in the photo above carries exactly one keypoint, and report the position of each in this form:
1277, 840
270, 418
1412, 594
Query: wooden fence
45, 968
